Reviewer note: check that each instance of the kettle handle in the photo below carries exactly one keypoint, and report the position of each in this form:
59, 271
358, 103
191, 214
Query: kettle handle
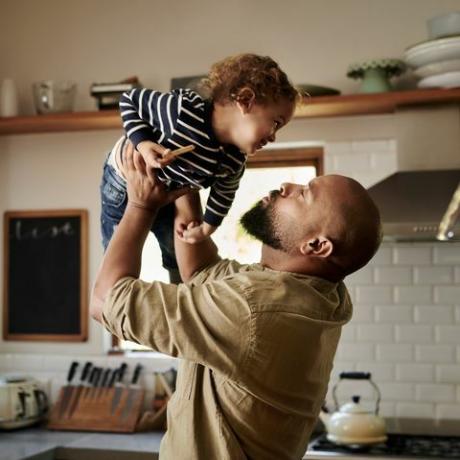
356, 376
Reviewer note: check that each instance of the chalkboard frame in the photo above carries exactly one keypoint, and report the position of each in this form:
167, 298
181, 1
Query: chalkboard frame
82, 215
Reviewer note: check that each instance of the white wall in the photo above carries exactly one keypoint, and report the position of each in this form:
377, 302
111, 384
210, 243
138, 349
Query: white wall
106, 40
314, 41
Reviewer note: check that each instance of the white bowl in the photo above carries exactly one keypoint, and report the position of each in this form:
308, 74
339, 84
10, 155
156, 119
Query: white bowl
444, 80
444, 25
452, 65
431, 51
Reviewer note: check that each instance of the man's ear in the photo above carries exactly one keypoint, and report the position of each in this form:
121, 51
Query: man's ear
319, 246
245, 98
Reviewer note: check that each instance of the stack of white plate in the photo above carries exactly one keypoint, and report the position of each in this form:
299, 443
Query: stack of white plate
436, 62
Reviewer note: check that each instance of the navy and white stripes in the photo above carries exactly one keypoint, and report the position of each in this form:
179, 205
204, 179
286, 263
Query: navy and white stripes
176, 119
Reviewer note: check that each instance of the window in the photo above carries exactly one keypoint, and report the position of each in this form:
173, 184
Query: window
265, 172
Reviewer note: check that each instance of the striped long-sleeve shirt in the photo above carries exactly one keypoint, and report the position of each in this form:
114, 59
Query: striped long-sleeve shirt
177, 119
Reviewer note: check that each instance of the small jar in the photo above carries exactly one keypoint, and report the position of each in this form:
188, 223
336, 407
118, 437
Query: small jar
8, 98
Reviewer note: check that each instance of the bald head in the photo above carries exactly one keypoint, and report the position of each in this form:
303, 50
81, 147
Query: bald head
351, 219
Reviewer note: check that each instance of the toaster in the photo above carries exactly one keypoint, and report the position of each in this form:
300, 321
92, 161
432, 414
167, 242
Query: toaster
22, 402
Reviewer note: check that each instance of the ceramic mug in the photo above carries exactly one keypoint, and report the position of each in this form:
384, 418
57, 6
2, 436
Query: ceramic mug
8, 98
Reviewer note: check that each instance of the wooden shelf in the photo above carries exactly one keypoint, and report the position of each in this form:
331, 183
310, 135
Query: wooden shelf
61, 122
378, 103
316, 107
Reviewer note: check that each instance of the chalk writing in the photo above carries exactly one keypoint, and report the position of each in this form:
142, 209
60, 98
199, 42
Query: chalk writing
37, 233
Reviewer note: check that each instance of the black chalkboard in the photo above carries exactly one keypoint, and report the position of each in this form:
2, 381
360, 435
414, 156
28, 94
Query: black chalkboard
45, 275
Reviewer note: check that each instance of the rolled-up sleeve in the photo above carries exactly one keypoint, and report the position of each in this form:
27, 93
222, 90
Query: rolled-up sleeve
207, 323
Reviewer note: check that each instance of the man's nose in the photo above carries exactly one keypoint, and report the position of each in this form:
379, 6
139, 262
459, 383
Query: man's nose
272, 137
286, 189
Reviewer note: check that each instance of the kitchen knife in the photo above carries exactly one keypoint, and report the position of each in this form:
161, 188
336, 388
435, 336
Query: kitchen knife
119, 374
84, 375
113, 377
105, 377
92, 374
132, 391
67, 389
94, 380
104, 380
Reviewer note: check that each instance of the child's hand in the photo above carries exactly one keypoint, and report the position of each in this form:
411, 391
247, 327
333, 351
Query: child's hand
152, 154
142, 191
195, 232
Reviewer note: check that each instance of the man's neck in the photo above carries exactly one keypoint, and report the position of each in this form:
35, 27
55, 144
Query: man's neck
281, 261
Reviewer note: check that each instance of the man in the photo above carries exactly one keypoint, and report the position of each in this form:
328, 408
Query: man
257, 342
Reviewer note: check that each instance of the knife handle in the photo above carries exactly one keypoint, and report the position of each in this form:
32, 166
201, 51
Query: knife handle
72, 370
97, 377
121, 372
114, 377
136, 374
93, 376
105, 377
85, 371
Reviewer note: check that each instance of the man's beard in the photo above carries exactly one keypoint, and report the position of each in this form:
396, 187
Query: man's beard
259, 223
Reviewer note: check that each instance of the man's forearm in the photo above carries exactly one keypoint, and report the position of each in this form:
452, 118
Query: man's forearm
193, 257
123, 256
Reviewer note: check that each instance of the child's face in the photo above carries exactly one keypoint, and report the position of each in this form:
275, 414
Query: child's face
260, 123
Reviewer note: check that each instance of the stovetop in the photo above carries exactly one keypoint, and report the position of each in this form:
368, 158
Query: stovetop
397, 446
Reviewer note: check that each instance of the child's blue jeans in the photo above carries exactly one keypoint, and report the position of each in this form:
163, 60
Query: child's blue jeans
114, 198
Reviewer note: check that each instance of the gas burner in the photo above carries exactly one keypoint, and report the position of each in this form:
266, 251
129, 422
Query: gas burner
397, 445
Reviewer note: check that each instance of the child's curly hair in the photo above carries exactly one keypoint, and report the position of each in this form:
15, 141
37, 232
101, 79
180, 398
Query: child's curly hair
259, 73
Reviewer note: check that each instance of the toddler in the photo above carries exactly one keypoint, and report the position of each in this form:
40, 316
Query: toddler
249, 99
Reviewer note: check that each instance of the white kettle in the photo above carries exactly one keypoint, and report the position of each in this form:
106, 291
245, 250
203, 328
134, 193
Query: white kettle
351, 424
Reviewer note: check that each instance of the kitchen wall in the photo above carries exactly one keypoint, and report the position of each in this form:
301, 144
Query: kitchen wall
107, 40
406, 330
407, 319
406, 323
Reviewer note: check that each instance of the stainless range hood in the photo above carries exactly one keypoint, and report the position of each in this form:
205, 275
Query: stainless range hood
419, 205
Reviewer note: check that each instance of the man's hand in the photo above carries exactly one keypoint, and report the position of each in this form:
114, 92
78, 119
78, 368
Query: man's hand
145, 191
153, 155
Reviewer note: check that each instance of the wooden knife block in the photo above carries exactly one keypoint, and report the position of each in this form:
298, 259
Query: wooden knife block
90, 409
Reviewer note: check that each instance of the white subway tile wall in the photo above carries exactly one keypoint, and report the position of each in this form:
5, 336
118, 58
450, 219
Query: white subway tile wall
418, 372
407, 320
405, 328
365, 161
406, 308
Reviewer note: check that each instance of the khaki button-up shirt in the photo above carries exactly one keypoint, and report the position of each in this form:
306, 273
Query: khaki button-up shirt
256, 348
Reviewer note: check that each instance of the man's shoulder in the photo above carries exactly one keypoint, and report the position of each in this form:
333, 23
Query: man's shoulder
271, 291
221, 269
246, 276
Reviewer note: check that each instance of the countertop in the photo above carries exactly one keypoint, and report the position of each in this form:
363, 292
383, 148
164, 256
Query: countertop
41, 444
38, 443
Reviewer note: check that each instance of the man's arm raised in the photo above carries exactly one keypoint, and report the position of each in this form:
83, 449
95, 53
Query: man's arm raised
192, 258
124, 253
